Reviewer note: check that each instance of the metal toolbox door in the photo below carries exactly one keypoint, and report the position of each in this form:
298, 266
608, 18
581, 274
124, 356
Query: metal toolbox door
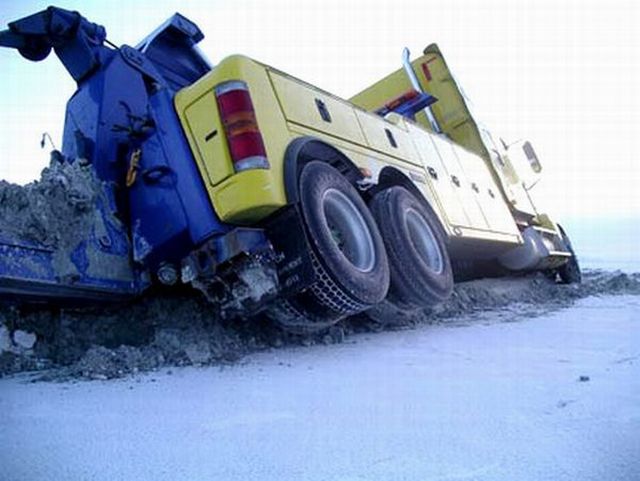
312, 108
486, 192
461, 184
438, 178
386, 137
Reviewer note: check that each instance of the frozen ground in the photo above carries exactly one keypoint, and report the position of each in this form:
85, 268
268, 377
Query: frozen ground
554, 397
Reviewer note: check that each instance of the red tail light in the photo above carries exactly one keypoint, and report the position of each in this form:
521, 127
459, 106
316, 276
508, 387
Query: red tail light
240, 126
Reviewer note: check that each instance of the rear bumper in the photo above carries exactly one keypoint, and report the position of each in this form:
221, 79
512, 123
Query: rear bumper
247, 268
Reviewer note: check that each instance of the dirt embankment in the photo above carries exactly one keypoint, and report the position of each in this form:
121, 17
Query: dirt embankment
177, 329
55, 212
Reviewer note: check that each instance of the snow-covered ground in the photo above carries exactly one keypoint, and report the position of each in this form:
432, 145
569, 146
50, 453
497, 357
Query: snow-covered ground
487, 400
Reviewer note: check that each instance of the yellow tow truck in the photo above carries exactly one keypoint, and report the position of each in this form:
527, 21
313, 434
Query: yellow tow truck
271, 195
442, 191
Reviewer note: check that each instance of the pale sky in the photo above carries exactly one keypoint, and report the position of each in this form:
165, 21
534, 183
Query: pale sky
562, 74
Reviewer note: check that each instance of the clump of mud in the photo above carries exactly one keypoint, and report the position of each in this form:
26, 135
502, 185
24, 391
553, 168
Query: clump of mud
52, 209
180, 329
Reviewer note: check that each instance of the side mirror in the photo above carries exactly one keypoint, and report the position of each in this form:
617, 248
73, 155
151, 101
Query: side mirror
532, 157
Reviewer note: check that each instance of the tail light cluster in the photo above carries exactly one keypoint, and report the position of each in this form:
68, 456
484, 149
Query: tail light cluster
240, 126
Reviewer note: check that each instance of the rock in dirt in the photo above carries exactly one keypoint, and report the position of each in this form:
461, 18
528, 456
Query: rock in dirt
102, 363
24, 340
5, 339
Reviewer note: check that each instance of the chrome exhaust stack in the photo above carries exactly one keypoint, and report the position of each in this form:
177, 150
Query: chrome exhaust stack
406, 63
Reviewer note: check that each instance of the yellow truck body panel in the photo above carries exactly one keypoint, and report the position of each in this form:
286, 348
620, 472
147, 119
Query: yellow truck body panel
454, 114
245, 197
451, 110
456, 182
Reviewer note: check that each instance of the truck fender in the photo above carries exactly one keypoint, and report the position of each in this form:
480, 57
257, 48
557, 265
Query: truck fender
390, 177
303, 150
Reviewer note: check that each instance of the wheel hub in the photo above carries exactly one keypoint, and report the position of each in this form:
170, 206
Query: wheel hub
349, 230
424, 241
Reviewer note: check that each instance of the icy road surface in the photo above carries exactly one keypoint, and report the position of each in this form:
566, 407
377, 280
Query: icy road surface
555, 397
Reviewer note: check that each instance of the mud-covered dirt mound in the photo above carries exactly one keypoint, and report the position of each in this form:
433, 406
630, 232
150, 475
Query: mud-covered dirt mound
52, 211
177, 329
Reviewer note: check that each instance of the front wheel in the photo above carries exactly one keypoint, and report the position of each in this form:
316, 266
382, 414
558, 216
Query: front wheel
570, 272
348, 254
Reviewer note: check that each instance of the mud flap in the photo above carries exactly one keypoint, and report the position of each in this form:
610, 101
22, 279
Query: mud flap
244, 270
286, 232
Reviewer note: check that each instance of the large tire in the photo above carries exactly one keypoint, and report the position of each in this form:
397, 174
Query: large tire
348, 254
420, 268
570, 272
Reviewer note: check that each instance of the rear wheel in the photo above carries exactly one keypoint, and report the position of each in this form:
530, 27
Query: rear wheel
420, 268
348, 254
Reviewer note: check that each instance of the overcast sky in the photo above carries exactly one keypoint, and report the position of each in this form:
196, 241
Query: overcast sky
563, 74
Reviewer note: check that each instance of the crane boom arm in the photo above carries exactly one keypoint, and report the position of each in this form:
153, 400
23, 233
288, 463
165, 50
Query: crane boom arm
75, 40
